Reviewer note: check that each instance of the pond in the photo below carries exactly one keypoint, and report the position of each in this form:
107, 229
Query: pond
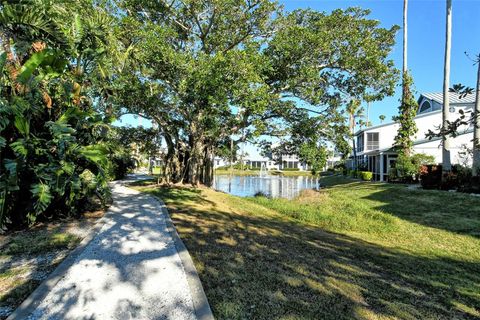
273, 186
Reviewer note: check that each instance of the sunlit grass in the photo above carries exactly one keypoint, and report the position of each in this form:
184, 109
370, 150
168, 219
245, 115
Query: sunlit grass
389, 253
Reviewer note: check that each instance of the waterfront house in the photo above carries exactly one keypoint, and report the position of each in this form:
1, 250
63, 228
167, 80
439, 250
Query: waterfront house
374, 145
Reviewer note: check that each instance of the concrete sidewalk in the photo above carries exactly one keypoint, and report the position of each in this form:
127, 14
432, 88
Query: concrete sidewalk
131, 269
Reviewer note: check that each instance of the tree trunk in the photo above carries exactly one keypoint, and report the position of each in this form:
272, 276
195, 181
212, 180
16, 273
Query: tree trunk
405, 35
476, 126
405, 90
446, 164
207, 178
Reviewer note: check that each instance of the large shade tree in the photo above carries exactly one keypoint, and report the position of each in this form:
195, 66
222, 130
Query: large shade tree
205, 71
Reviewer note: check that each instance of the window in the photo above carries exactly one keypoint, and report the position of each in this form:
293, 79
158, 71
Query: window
360, 143
425, 106
372, 141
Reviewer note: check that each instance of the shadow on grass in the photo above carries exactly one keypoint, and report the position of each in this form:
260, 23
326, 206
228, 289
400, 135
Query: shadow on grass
256, 267
450, 211
454, 212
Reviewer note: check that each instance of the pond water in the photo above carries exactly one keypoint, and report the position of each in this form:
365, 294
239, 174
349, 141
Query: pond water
273, 186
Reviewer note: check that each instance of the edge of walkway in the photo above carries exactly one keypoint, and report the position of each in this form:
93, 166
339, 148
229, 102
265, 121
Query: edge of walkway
199, 298
28, 306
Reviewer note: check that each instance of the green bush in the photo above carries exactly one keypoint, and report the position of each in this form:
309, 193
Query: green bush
409, 168
54, 145
121, 164
366, 175
290, 169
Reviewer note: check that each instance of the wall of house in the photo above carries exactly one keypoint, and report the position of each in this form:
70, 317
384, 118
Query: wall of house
425, 122
434, 148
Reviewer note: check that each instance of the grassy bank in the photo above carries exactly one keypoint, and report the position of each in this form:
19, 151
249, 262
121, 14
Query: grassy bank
354, 250
27, 257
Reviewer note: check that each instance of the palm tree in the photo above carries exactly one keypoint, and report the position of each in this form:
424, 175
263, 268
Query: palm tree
382, 118
446, 83
476, 125
405, 39
408, 106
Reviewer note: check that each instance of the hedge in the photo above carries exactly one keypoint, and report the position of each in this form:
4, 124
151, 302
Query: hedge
366, 175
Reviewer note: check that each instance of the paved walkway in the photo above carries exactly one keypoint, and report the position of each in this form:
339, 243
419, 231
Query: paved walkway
130, 270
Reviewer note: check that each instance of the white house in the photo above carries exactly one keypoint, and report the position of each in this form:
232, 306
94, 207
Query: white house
291, 161
219, 162
374, 145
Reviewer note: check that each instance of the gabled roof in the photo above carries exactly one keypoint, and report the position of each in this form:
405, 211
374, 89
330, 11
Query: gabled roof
454, 99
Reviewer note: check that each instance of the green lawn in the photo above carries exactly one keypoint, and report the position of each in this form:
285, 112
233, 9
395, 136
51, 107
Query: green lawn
354, 250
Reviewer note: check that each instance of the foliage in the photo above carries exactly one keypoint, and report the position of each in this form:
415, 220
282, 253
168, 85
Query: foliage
121, 164
407, 168
460, 178
406, 118
53, 144
315, 156
466, 118
209, 71
353, 173
144, 140
366, 175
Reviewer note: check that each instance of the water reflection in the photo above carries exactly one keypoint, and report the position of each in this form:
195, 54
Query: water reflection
274, 186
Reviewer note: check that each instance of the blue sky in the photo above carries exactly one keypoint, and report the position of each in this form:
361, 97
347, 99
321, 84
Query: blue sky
426, 40
426, 32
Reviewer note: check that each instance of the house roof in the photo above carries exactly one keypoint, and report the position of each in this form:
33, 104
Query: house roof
453, 97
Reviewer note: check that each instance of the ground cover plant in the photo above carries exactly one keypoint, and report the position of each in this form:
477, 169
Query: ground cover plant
355, 250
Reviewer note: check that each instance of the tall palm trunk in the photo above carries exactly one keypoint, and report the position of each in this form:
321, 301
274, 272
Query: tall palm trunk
476, 126
405, 37
447, 166
405, 88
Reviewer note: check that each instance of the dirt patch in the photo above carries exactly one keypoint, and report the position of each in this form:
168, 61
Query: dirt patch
310, 195
27, 257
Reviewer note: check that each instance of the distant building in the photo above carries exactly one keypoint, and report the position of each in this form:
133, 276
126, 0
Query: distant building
219, 162
374, 145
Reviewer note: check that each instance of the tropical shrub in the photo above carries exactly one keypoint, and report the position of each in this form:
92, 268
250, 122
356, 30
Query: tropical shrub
408, 168
366, 175
121, 164
54, 146
431, 176
353, 173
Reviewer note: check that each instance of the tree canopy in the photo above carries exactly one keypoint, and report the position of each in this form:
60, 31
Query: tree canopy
204, 71
208, 73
